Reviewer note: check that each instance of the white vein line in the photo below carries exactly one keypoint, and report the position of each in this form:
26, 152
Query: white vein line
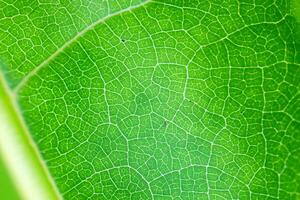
69, 42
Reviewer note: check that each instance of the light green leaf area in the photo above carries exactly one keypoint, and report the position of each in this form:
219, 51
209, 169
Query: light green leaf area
170, 99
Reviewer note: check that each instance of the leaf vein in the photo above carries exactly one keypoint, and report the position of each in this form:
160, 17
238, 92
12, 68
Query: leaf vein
26, 78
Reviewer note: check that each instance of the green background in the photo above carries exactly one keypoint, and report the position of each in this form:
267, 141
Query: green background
160, 100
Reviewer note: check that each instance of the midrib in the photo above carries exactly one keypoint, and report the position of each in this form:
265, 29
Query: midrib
26, 167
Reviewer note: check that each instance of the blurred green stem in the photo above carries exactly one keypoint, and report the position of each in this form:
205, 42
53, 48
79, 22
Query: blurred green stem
20, 156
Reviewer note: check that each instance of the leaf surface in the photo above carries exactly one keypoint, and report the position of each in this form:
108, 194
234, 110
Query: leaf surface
159, 99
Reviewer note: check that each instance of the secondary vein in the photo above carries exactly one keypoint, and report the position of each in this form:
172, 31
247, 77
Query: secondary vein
23, 82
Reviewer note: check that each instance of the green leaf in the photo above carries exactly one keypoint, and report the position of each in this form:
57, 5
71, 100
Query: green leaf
150, 99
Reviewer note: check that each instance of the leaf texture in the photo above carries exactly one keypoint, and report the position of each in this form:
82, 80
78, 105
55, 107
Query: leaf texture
170, 99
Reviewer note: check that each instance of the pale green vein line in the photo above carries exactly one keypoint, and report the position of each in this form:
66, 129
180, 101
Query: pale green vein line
72, 40
20, 154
